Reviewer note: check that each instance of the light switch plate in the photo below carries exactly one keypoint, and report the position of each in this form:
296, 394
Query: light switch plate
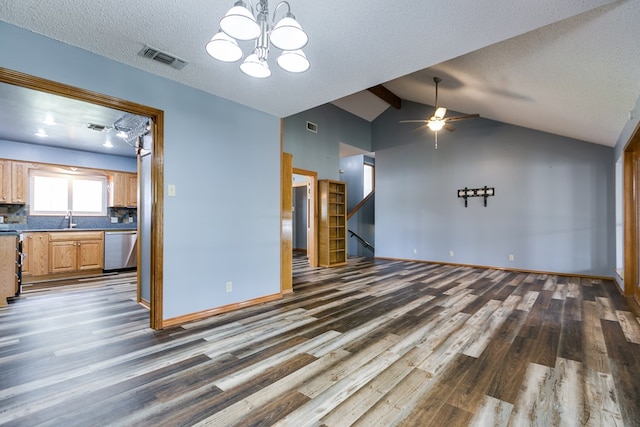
171, 190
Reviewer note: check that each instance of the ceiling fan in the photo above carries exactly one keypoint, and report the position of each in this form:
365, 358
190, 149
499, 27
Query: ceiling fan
438, 120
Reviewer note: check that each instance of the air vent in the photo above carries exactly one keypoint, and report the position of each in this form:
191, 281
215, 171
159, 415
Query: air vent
98, 128
163, 57
312, 127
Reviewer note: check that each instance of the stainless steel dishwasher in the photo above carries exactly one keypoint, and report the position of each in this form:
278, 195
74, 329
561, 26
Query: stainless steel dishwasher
120, 250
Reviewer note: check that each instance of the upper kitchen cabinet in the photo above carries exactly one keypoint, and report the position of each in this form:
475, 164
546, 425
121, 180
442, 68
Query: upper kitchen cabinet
5, 181
123, 189
19, 182
132, 190
13, 182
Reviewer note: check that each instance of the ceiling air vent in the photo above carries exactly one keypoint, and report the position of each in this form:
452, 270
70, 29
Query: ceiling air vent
98, 128
312, 127
163, 57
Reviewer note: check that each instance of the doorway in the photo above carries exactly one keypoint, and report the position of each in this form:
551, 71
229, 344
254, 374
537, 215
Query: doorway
305, 213
155, 180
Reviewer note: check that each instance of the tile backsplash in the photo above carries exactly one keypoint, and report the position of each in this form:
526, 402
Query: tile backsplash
16, 217
13, 214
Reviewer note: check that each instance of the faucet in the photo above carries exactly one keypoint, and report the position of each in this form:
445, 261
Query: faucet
70, 216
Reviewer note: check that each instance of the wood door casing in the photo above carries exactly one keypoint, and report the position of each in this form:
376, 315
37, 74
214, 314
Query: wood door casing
631, 195
312, 213
286, 224
157, 167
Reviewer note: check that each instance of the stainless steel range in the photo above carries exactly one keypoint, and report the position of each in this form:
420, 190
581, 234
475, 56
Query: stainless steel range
11, 258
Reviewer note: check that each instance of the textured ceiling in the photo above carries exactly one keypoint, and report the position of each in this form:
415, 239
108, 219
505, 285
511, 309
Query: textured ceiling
567, 67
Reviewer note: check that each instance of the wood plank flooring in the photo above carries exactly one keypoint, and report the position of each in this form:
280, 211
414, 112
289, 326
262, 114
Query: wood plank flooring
374, 343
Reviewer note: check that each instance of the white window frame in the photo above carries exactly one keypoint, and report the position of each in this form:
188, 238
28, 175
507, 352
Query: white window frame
367, 167
70, 178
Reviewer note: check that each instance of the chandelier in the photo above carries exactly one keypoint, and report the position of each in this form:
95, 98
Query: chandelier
240, 24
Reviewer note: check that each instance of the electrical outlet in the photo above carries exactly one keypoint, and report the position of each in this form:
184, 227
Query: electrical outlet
114, 220
450, 253
171, 190
510, 257
130, 219
229, 286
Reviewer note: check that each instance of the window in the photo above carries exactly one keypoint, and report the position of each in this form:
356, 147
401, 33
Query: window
54, 193
369, 181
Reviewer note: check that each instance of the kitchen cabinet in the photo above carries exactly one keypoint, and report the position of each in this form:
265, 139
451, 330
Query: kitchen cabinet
13, 182
19, 182
75, 251
5, 181
332, 231
8, 268
35, 247
132, 190
123, 189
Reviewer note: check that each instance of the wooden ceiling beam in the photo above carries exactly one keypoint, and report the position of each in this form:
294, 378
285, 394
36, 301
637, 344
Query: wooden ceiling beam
386, 95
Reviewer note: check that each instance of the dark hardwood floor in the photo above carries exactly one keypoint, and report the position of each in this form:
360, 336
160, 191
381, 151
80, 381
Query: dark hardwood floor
373, 343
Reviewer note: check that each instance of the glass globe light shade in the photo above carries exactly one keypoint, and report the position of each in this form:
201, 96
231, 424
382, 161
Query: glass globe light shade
224, 48
293, 61
435, 125
240, 23
288, 34
255, 67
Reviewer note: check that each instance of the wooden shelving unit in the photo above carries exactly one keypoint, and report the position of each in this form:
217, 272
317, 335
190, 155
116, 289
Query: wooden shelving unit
332, 233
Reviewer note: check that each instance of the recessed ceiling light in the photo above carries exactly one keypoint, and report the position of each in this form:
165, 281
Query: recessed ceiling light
41, 133
122, 134
107, 144
48, 120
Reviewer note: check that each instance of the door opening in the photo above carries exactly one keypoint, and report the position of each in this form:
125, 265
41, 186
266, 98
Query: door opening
155, 168
305, 213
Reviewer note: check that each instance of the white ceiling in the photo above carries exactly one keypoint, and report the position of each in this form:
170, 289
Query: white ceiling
568, 67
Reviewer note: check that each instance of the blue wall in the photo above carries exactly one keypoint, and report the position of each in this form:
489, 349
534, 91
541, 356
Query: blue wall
320, 152
553, 208
59, 156
213, 229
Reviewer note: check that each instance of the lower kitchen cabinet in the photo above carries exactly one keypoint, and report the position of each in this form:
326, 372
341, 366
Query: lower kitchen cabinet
8, 278
35, 247
75, 251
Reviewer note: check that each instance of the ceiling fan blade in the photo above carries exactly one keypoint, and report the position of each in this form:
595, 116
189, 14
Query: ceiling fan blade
464, 117
414, 121
450, 128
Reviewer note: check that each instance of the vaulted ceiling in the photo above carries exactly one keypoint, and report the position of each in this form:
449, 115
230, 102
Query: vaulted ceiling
571, 68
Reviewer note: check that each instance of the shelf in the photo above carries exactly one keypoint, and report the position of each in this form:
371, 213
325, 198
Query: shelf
332, 225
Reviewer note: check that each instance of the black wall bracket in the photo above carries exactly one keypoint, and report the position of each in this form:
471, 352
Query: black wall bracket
484, 192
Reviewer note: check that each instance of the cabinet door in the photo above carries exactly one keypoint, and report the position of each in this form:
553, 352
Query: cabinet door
63, 257
19, 182
117, 189
35, 246
132, 189
5, 181
90, 254
27, 246
8, 279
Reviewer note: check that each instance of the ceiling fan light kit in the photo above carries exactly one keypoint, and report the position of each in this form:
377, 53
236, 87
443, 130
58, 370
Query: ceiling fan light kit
438, 120
239, 23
